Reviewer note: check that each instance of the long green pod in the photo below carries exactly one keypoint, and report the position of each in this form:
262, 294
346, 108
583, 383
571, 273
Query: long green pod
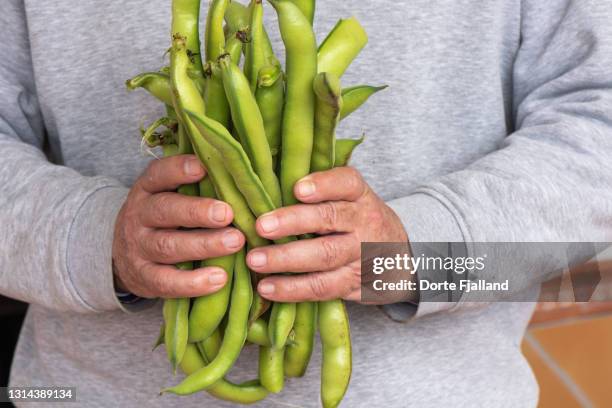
208, 311
234, 44
233, 339
270, 97
186, 24
327, 115
214, 95
176, 317
237, 17
236, 162
355, 96
246, 393
298, 353
307, 7
176, 311
344, 150
255, 56
259, 307
160, 337
250, 126
271, 368
156, 83
281, 323
187, 97
298, 115
258, 333
341, 46
336, 364
214, 36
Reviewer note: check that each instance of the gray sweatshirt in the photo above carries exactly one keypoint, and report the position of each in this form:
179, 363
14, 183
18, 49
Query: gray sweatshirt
497, 126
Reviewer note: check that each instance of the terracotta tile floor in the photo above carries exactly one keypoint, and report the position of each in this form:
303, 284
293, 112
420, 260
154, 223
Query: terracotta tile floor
572, 361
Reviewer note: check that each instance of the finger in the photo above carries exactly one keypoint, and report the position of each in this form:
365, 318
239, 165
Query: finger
318, 286
324, 218
342, 183
310, 255
173, 246
173, 210
169, 173
169, 282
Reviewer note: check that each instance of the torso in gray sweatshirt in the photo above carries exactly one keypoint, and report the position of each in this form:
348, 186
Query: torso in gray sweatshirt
496, 126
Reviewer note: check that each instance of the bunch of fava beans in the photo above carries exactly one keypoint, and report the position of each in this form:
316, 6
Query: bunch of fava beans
257, 129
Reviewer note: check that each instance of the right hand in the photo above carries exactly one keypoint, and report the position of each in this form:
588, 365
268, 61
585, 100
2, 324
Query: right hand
148, 240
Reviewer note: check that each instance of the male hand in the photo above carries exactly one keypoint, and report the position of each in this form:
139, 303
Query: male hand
339, 206
148, 238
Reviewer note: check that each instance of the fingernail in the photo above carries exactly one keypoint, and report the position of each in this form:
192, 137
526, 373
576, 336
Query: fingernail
217, 278
231, 239
193, 167
268, 223
219, 212
257, 259
266, 288
306, 188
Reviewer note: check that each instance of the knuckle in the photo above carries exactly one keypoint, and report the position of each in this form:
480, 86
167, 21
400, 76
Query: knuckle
159, 208
317, 286
194, 213
329, 252
328, 212
164, 246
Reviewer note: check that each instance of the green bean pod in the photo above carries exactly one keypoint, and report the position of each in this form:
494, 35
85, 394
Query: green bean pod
214, 95
281, 323
271, 368
258, 333
259, 306
270, 97
185, 147
233, 340
341, 46
234, 44
214, 36
355, 96
156, 83
298, 353
186, 23
160, 337
307, 7
250, 126
246, 393
176, 311
176, 317
187, 97
208, 311
237, 17
255, 56
344, 150
327, 114
237, 163
298, 115
336, 352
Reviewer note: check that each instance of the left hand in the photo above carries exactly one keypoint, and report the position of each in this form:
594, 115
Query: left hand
341, 208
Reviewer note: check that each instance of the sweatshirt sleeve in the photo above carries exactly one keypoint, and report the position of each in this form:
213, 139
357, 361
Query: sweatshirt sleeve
57, 225
551, 179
